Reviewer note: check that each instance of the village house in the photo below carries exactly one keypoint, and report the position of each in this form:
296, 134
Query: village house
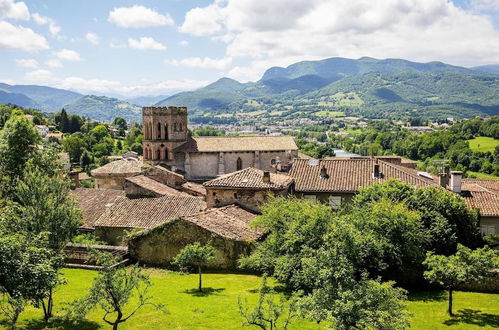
226, 229
113, 175
249, 187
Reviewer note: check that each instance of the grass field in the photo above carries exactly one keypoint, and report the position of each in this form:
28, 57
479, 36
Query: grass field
217, 307
479, 175
483, 144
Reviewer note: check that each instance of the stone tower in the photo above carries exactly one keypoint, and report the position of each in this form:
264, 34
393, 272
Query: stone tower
165, 128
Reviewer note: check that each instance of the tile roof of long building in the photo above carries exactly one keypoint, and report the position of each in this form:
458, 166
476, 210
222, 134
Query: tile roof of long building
229, 222
149, 212
250, 178
349, 175
153, 185
480, 197
93, 202
239, 143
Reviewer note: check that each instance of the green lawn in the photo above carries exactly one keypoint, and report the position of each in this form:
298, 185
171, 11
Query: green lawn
483, 144
217, 308
479, 175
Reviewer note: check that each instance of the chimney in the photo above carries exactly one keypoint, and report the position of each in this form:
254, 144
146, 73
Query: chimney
324, 174
266, 176
443, 180
455, 181
376, 173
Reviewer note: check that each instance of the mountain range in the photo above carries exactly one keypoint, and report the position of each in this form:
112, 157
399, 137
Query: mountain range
369, 87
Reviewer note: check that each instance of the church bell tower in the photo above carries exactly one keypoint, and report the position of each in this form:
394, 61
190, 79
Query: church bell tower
164, 129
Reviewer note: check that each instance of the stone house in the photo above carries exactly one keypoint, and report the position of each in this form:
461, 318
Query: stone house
249, 188
113, 174
336, 181
225, 228
136, 214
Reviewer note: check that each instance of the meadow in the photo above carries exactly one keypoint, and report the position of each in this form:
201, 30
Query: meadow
483, 144
217, 307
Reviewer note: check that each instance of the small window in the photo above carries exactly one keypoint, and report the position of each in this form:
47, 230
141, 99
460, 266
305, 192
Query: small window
174, 127
334, 202
272, 162
239, 164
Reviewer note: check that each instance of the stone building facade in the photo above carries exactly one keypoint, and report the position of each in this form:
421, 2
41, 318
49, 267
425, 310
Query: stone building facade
166, 141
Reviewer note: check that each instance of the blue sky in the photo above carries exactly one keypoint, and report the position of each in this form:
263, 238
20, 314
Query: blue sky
132, 48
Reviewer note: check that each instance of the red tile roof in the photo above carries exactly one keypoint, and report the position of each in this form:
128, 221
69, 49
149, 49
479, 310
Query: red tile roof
152, 185
230, 222
149, 212
127, 167
485, 200
349, 175
489, 184
93, 202
239, 143
250, 178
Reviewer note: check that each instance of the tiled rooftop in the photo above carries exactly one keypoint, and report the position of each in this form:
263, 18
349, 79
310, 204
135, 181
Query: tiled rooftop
349, 175
130, 166
149, 212
250, 178
229, 222
93, 202
240, 143
153, 185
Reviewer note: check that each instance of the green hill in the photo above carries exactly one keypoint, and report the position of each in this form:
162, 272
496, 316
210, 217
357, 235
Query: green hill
104, 108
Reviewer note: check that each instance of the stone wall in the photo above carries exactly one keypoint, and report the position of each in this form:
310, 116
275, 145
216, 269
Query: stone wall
251, 199
160, 245
112, 235
134, 190
115, 183
489, 225
164, 176
203, 165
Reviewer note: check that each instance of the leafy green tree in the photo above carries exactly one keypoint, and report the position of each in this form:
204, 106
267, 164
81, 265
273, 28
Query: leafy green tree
464, 266
74, 145
113, 290
268, 311
18, 141
27, 271
45, 206
99, 132
120, 123
86, 160
62, 120
196, 255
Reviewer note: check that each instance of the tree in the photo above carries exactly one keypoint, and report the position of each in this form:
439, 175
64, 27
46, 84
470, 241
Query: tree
27, 271
99, 132
196, 255
267, 311
63, 121
85, 160
74, 145
464, 266
18, 141
120, 123
45, 206
113, 290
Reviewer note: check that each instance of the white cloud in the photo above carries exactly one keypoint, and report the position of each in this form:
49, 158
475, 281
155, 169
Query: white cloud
116, 44
92, 38
205, 62
13, 10
20, 38
68, 55
283, 31
54, 63
27, 63
44, 20
145, 43
184, 43
138, 17
203, 21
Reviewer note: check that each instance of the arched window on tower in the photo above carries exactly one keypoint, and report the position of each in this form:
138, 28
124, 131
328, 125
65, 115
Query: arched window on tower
149, 131
174, 127
159, 131
239, 163
180, 127
158, 154
166, 131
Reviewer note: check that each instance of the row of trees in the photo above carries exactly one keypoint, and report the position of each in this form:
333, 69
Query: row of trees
340, 263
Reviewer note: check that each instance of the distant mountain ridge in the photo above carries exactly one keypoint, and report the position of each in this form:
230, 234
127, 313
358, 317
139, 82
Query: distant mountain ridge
104, 108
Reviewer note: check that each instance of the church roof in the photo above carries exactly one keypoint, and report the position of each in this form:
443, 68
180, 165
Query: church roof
239, 143
250, 178
149, 212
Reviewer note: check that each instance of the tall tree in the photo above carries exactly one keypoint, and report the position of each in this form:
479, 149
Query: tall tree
18, 142
463, 267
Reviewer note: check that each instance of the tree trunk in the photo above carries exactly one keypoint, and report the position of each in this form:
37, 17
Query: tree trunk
450, 302
118, 320
200, 280
47, 309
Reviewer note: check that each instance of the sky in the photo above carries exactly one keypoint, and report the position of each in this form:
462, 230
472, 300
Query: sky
135, 48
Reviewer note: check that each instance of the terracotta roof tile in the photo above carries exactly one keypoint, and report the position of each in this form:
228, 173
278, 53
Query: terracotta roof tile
240, 143
149, 212
194, 188
153, 185
250, 178
483, 199
130, 166
93, 202
489, 184
349, 175
229, 221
